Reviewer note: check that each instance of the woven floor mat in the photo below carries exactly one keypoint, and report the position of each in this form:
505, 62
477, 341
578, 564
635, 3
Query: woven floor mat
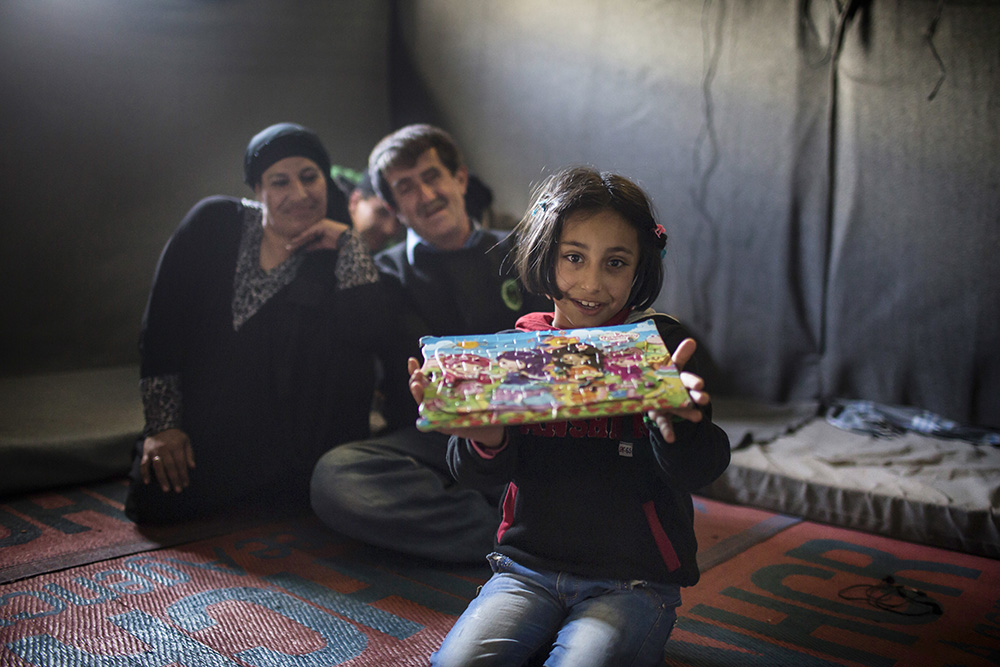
816, 595
774, 591
53, 530
273, 595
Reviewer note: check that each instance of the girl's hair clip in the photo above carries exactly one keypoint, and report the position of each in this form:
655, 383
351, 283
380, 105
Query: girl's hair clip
542, 206
661, 234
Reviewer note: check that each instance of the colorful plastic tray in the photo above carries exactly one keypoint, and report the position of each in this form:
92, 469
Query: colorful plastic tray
541, 376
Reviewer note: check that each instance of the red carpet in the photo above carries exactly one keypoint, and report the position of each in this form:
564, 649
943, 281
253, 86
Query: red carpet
292, 593
778, 603
255, 597
44, 532
724, 531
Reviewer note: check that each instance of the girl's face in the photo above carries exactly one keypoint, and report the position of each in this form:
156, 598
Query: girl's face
509, 364
293, 191
574, 359
595, 266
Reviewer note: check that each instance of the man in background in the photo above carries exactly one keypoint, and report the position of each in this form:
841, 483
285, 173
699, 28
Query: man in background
450, 277
379, 227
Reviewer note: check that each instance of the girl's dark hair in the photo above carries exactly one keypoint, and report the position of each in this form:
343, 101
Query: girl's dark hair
581, 349
584, 189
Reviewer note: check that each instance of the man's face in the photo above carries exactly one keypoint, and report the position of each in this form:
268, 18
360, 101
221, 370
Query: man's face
431, 200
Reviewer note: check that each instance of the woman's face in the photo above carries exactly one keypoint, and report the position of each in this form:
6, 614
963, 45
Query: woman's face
293, 192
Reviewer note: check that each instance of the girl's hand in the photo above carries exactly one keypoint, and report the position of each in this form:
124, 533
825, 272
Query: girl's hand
418, 381
663, 419
324, 235
489, 437
167, 455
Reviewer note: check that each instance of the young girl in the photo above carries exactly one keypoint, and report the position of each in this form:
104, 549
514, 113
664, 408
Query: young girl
597, 532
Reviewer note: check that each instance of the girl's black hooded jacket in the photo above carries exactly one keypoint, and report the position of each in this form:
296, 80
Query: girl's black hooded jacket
600, 498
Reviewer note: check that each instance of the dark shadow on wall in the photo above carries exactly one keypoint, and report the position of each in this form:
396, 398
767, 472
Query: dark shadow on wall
409, 99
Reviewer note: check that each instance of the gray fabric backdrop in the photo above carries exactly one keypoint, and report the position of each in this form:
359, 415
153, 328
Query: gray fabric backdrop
832, 196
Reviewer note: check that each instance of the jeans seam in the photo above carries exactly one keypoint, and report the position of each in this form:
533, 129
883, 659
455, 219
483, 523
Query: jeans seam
652, 630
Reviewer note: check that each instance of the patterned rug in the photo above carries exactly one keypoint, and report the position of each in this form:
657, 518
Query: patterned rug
818, 595
775, 591
53, 530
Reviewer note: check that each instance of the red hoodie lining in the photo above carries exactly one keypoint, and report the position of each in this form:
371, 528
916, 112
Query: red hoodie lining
508, 510
660, 537
543, 321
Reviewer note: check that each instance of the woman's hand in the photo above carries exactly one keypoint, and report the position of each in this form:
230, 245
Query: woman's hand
324, 235
695, 388
167, 456
489, 437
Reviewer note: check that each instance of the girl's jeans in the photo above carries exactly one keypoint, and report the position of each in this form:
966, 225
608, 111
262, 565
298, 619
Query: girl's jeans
520, 613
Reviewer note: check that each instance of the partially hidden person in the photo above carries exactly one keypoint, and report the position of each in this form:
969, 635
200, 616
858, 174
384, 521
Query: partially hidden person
597, 536
371, 219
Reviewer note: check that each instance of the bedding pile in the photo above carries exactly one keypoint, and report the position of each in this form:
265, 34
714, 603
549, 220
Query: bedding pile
898, 482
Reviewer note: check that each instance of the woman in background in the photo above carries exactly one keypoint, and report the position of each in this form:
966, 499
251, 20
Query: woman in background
257, 343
